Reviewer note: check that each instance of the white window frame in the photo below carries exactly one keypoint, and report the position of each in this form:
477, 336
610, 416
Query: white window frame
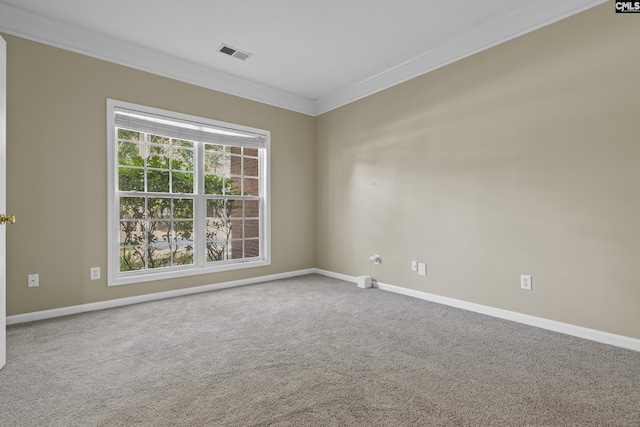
200, 266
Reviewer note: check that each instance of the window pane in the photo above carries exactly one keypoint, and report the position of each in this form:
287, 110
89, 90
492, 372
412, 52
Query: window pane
218, 229
182, 159
216, 251
251, 187
251, 152
158, 157
216, 159
234, 208
130, 135
183, 208
158, 181
251, 208
232, 186
132, 233
251, 248
159, 256
236, 228
235, 165
183, 233
215, 208
130, 179
214, 184
250, 167
132, 258
183, 255
251, 229
132, 207
182, 143
129, 154
159, 233
182, 182
159, 207
235, 249
158, 139
233, 225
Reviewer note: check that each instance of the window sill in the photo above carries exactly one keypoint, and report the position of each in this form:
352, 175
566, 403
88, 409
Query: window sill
174, 273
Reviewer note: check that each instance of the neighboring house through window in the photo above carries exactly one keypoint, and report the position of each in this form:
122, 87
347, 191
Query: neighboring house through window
187, 195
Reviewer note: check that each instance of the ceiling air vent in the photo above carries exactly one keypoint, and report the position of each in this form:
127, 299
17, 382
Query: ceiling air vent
233, 52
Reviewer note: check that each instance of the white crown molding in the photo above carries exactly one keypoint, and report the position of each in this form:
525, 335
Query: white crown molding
541, 13
32, 27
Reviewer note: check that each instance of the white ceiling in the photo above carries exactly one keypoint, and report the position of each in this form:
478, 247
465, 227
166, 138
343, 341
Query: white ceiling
308, 56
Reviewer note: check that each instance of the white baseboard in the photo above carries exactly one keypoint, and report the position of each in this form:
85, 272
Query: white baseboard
83, 308
338, 276
552, 325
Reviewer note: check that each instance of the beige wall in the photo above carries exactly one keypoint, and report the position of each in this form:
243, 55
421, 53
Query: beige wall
523, 159
57, 171
520, 159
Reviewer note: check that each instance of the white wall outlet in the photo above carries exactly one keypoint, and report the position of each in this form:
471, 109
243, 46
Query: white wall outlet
375, 259
414, 265
94, 273
422, 269
33, 280
525, 282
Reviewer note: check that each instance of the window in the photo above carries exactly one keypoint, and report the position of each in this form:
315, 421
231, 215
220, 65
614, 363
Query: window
187, 195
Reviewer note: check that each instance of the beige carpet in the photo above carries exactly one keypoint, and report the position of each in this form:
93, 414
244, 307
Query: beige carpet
309, 351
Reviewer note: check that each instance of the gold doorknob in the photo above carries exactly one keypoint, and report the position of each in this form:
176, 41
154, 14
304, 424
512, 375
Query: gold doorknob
11, 219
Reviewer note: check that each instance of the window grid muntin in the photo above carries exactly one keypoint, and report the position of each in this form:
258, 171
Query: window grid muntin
148, 143
171, 239
224, 247
230, 243
240, 175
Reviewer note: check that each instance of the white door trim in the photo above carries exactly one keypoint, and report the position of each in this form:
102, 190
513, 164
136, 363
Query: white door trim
3, 204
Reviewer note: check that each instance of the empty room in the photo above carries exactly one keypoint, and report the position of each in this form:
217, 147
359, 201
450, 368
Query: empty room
291, 213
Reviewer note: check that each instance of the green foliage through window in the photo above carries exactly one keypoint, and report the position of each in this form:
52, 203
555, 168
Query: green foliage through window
156, 183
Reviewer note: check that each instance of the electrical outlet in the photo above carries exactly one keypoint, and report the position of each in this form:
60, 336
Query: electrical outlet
414, 265
422, 269
94, 273
525, 282
33, 280
375, 259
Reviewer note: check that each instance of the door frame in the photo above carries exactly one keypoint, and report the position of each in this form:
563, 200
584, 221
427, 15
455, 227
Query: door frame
3, 204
